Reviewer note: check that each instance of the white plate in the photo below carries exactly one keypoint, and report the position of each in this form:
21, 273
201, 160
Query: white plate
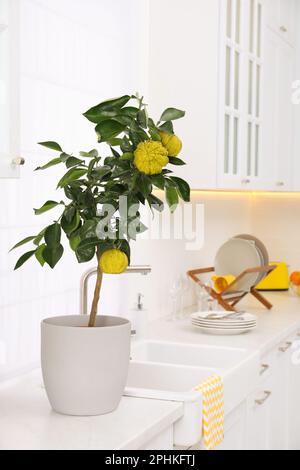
248, 317
224, 327
222, 332
234, 257
261, 249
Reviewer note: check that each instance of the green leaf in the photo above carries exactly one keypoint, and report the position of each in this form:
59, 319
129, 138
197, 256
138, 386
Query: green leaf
129, 111
124, 246
171, 114
23, 242
39, 254
39, 238
55, 161
176, 161
158, 181
51, 145
53, 235
127, 156
144, 185
109, 129
88, 242
92, 154
52, 255
142, 118
182, 187
167, 127
64, 157
126, 145
46, 207
24, 258
85, 254
95, 114
70, 220
172, 198
74, 242
115, 142
155, 203
88, 230
73, 161
72, 175
102, 171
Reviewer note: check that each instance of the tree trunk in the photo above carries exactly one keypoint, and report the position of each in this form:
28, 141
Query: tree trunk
93, 314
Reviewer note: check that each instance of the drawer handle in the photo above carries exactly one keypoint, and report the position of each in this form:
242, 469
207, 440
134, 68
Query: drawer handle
285, 348
283, 29
263, 400
264, 368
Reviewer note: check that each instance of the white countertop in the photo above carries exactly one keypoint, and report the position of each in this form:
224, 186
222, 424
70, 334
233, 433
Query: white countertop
27, 422
273, 326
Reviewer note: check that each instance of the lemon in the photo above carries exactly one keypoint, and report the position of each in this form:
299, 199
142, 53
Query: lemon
113, 262
150, 157
172, 143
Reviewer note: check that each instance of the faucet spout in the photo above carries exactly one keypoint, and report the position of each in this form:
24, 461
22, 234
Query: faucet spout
143, 270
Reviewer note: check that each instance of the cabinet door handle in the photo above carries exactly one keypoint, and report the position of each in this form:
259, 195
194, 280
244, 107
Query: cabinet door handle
285, 348
283, 29
19, 161
246, 181
263, 400
280, 183
264, 368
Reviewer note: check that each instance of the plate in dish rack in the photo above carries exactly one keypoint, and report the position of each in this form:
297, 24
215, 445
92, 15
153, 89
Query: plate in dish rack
235, 256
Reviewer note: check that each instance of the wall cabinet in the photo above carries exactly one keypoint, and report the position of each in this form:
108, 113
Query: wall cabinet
9, 88
232, 65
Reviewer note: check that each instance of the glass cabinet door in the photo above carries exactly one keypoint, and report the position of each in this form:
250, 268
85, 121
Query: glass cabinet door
240, 94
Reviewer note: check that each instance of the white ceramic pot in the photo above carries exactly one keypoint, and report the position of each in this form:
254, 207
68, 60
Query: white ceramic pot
85, 369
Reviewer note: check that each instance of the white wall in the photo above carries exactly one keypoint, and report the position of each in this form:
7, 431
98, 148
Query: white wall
72, 58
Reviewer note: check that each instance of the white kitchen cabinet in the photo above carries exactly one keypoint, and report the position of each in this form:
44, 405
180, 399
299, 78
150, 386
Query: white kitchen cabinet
278, 122
9, 89
280, 17
232, 71
294, 395
183, 72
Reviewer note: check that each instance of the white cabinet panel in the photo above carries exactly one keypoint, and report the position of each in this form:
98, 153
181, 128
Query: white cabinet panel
9, 88
280, 16
278, 122
183, 72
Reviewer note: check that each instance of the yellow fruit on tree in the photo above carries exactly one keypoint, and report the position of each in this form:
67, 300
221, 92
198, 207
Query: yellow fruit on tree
113, 261
150, 157
172, 143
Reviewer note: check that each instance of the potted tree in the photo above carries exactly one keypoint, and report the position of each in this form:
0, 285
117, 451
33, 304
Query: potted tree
85, 360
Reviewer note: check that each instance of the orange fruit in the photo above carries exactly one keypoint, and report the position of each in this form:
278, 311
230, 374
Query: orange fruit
295, 278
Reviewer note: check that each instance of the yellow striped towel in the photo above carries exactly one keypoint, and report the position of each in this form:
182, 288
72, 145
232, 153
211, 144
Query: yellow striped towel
212, 391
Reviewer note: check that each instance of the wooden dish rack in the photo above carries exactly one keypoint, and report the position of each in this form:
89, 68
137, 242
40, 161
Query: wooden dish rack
229, 298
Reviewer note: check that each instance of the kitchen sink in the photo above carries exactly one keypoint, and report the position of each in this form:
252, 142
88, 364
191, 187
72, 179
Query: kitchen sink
187, 354
170, 371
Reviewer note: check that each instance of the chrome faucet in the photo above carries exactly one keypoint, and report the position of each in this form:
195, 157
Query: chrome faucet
144, 270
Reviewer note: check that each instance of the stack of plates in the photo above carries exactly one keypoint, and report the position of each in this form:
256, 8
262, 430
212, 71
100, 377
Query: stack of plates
224, 323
